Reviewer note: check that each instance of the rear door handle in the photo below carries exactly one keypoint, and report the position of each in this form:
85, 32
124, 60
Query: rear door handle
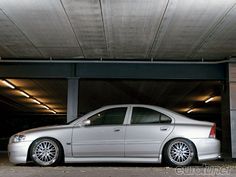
164, 128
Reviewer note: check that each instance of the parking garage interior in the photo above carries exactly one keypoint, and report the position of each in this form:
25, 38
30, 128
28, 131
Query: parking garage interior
60, 59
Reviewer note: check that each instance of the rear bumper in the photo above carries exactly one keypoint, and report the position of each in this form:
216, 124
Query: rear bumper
18, 152
207, 148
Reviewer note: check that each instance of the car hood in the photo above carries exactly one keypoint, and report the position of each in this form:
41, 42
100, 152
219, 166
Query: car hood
46, 128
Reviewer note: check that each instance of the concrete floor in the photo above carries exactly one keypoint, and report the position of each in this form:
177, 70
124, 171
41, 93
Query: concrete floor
214, 168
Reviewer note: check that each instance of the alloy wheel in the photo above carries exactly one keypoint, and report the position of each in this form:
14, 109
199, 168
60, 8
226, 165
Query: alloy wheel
180, 153
45, 152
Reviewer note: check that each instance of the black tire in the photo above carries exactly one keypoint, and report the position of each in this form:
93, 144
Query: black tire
179, 152
46, 152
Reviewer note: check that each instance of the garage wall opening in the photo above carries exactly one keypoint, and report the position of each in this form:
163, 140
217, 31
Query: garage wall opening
30, 103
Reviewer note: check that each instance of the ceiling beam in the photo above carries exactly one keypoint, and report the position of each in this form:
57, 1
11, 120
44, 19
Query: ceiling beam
114, 71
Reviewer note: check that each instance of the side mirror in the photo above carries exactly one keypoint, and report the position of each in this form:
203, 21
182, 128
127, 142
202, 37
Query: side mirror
86, 122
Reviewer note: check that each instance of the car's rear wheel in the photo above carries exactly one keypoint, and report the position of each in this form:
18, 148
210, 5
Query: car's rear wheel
45, 152
179, 152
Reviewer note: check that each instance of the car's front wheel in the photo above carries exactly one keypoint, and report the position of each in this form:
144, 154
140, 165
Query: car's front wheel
179, 152
45, 152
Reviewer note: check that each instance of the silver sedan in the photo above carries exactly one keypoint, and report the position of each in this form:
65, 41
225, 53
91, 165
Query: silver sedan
119, 133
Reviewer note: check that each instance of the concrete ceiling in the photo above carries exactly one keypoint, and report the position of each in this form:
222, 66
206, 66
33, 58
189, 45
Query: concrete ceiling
118, 29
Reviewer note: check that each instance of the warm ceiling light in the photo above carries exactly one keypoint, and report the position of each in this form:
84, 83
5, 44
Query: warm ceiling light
24, 94
209, 99
189, 111
54, 112
36, 101
45, 107
5, 82
8, 84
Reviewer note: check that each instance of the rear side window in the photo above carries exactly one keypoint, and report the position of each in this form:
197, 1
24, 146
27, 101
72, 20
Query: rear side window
148, 116
165, 119
114, 116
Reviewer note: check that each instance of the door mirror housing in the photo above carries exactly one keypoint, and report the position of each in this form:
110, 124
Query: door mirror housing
86, 122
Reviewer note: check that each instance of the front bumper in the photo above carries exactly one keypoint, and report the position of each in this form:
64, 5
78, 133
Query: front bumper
207, 148
18, 152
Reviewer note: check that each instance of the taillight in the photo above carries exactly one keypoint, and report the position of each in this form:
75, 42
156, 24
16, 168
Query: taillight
213, 131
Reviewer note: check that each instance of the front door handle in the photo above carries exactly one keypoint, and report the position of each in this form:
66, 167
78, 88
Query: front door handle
116, 130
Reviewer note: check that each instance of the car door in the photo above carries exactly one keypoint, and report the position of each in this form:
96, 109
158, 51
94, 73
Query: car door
147, 130
103, 137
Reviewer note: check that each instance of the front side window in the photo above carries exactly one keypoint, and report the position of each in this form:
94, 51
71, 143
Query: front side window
148, 116
114, 116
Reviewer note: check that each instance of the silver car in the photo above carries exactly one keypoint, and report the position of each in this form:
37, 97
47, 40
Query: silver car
119, 133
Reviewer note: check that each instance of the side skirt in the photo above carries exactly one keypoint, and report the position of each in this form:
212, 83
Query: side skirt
111, 159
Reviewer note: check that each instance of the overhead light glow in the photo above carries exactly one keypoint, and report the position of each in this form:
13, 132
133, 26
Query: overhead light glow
209, 99
45, 107
54, 112
8, 84
36, 101
189, 111
24, 94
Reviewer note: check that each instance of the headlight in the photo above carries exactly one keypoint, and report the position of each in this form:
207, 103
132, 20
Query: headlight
17, 138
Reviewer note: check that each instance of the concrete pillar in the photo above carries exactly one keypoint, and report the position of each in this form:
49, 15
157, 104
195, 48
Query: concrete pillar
225, 121
232, 107
72, 99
